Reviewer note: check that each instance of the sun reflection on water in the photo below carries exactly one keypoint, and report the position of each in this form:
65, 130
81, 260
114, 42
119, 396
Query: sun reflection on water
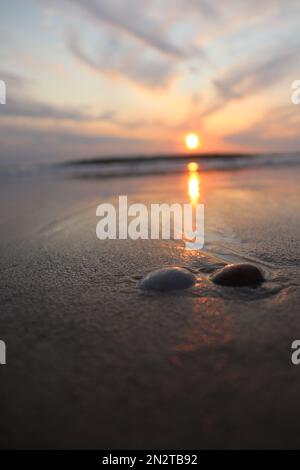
193, 183
193, 166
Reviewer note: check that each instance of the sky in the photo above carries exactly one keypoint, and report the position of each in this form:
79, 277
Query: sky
87, 78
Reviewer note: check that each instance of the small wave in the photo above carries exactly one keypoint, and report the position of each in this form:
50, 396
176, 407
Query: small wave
174, 164
147, 165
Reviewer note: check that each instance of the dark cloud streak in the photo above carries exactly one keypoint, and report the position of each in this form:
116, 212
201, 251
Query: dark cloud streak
129, 18
37, 110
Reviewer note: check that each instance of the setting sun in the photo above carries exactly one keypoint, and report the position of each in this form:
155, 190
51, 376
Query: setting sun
192, 141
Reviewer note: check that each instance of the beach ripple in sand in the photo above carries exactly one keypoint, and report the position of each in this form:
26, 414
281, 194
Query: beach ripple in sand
235, 275
167, 279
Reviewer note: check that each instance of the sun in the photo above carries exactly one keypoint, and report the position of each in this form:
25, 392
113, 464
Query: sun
192, 141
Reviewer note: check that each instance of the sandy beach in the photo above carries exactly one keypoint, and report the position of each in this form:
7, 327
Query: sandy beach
149, 220
93, 362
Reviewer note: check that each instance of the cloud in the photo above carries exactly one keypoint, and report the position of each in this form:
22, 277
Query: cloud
28, 144
129, 17
204, 8
13, 81
112, 59
252, 77
256, 77
226, 90
20, 107
277, 130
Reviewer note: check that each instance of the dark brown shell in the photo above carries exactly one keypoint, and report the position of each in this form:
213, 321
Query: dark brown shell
238, 275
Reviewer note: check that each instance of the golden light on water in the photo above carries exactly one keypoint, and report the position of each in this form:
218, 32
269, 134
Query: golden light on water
192, 141
193, 182
193, 166
194, 191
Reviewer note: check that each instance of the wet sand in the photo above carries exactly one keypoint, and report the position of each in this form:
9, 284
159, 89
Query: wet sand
93, 362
